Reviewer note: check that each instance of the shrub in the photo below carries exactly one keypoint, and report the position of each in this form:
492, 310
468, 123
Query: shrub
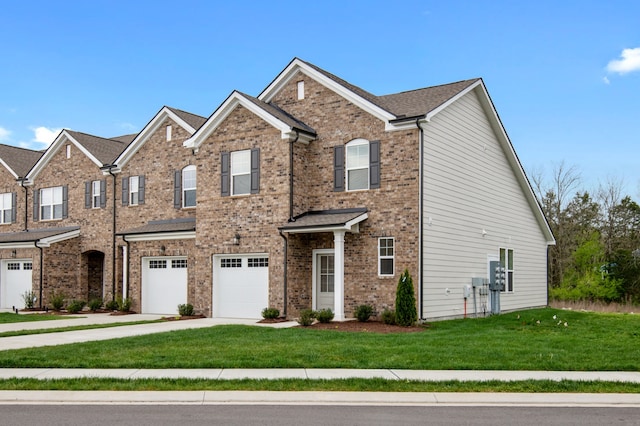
270, 313
111, 305
75, 306
306, 317
124, 305
324, 315
363, 312
186, 310
389, 317
57, 301
95, 304
406, 312
29, 298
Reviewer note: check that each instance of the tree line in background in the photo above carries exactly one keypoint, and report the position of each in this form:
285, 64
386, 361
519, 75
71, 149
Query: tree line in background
597, 251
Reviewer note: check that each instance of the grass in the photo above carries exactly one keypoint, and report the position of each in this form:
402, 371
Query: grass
528, 340
7, 317
70, 328
342, 385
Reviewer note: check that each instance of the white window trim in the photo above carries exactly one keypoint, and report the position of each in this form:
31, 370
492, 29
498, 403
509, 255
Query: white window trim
232, 174
508, 270
4, 208
348, 168
134, 189
392, 257
300, 86
95, 194
52, 205
186, 188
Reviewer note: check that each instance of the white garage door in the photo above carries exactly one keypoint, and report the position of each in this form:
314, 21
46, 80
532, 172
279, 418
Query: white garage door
164, 284
240, 285
14, 282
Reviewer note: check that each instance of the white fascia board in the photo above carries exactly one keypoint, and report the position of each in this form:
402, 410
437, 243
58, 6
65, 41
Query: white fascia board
160, 236
225, 110
46, 242
54, 148
6, 166
148, 130
352, 97
21, 245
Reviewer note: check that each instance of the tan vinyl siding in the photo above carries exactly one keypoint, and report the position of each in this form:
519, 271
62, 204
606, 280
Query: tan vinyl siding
470, 187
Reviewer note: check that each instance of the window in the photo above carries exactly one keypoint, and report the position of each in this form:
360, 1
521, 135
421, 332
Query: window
27, 266
179, 263
13, 266
258, 262
386, 256
231, 263
51, 202
189, 186
357, 165
134, 190
157, 264
95, 194
240, 172
6, 207
506, 259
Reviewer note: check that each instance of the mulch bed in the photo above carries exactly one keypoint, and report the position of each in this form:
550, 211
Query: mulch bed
182, 317
366, 327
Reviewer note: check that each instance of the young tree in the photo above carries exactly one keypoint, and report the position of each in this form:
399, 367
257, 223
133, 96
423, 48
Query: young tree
406, 312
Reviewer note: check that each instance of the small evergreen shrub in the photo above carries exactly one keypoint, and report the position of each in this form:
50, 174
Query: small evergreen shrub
57, 301
389, 317
75, 306
29, 298
95, 304
270, 313
306, 317
186, 310
124, 305
363, 312
111, 305
406, 312
324, 315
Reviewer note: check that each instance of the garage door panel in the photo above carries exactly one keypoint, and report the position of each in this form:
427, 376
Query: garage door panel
241, 286
16, 279
164, 285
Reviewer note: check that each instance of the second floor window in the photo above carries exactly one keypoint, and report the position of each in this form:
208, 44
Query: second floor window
358, 165
133, 190
189, 186
240, 172
51, 201
6, 207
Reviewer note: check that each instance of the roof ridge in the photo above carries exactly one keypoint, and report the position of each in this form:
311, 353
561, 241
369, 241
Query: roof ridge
430, 87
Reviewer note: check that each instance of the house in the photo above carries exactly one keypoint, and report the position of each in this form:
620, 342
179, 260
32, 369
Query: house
314, 194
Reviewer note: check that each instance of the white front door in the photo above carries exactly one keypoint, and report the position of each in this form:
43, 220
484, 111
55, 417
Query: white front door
324, 280
15, 282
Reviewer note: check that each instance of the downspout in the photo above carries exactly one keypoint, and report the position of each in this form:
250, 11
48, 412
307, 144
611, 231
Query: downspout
291, 219
285, 241
420, 221
26, 204
113, 238
285, 245
41, 271
126, 276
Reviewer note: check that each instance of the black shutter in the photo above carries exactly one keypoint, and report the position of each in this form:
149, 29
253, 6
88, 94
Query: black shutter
125, 191
224, 175
14, 199
103, 194
141, 189
88, 193
374, 164
255, 170
177, 189
36, 205
65, 201
338, 168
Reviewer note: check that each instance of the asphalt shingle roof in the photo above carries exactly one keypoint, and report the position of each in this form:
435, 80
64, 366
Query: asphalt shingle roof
323, 219
280, 114
193, 120
161, 226
34, 234
105, 150
20, 160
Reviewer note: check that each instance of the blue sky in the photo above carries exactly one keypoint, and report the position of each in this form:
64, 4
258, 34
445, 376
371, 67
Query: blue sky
564, 75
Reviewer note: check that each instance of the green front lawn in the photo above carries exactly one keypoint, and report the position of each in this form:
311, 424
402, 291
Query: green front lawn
7, 317
529, 340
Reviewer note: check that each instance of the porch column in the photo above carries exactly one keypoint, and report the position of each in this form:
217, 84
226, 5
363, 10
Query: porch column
338, 283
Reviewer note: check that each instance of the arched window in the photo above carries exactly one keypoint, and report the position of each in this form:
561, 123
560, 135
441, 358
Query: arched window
357, 164
189, 186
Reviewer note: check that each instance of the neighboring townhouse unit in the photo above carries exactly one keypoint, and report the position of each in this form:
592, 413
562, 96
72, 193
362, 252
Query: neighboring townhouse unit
315, 194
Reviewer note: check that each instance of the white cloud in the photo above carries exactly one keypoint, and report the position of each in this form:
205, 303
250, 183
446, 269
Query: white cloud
45, 135
629, 61
4, 134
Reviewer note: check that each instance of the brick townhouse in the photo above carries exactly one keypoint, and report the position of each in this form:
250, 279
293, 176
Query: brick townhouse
314, 194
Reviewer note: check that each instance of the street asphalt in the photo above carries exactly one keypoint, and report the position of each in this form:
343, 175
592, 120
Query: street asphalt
244, 397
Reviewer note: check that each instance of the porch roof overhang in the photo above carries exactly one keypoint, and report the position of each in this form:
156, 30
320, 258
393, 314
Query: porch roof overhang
347, 220
37, 237
173, 229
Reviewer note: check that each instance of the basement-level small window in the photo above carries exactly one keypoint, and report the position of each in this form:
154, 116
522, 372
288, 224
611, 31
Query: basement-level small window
386, 256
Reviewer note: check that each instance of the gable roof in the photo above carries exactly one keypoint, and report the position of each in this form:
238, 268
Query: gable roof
290, 127
100, 151
18, 161
189, 122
